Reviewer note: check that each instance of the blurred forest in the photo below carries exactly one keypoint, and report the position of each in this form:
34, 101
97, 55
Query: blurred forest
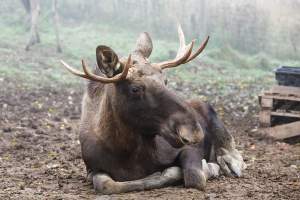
245, 34
248, 26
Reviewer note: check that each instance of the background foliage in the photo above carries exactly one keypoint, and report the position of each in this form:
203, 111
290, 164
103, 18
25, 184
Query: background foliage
249, 38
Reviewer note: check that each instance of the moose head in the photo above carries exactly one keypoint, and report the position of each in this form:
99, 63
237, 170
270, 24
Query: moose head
136, 96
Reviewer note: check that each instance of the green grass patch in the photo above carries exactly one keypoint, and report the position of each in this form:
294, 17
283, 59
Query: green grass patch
40, 66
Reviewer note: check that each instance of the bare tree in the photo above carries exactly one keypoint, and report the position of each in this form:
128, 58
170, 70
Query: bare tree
33, 8
56, 21
295, 37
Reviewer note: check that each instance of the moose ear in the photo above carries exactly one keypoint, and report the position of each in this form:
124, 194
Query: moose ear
107, 60
144, 45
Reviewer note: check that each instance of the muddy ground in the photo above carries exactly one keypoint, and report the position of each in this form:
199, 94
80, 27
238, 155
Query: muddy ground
40, 153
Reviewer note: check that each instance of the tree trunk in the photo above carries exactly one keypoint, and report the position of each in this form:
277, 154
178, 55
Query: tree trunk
34, 14
56, 24
26, 4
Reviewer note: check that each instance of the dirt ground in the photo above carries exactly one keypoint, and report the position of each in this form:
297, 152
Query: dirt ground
40, 153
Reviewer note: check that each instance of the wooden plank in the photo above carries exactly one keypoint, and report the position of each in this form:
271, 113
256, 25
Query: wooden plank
285, 114
265, 118
259, 98
278, 97
284, 90
283, 131
266, 102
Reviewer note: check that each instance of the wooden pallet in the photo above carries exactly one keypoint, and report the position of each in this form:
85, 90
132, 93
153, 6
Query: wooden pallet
282, 131
267, 101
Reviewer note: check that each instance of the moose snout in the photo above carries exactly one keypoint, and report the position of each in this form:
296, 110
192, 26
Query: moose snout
189, 135
182, 134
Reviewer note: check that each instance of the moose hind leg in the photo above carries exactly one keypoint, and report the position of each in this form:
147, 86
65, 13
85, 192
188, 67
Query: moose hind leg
104, 184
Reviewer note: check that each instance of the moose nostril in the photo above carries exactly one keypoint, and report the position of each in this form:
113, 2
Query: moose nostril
184, 140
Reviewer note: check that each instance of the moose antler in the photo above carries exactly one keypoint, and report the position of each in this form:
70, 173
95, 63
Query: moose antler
184, 53
88, 75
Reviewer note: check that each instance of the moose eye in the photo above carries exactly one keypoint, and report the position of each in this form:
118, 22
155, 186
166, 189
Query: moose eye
135, 89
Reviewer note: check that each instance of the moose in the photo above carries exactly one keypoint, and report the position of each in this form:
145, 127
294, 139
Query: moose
136, 134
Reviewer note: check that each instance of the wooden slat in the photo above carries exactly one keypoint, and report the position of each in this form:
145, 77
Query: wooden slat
285, 114
277, 93
278, 97
266, 102
265, 118
284, 90
283, 131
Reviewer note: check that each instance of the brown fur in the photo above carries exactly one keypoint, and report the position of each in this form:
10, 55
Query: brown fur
137, 126
115, 138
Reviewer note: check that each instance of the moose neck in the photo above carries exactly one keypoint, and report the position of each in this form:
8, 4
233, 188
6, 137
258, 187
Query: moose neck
115, 132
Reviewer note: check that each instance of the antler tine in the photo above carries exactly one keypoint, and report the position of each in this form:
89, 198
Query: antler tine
88, 75
184, 52
199, 50
181, 36
101, 79
126, 68
177, 61
72, 70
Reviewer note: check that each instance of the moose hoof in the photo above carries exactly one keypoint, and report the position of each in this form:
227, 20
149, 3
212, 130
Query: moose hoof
231, 162
194, 178
211, 170
173, 173
104, 184
197, 178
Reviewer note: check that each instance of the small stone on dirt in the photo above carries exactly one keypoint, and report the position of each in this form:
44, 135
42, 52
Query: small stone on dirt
7, 129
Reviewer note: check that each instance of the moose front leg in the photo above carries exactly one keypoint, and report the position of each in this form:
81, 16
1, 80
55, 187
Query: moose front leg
223, 148
104, 184
196, 171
